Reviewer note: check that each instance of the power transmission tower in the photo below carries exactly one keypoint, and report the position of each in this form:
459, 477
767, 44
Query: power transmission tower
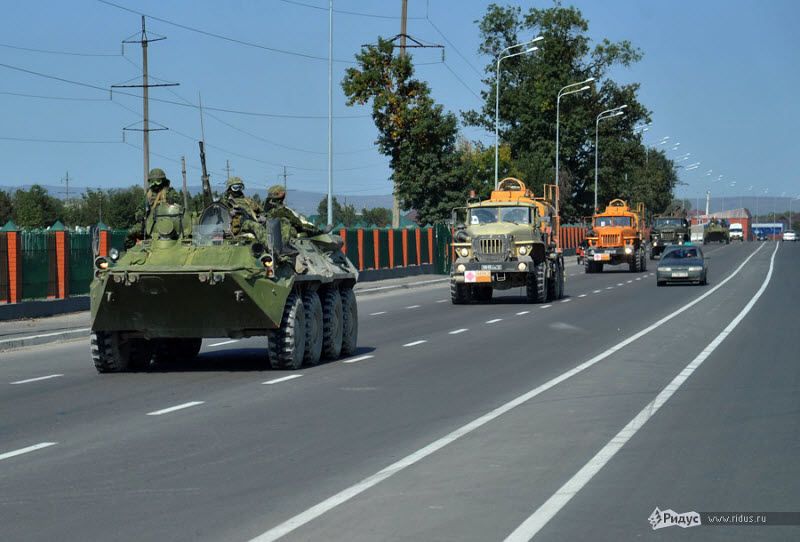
284, 175
66, 184
228, 169
143, 39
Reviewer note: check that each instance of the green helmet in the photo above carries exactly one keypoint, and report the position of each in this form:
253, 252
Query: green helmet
156, 177
276, 192
234, 184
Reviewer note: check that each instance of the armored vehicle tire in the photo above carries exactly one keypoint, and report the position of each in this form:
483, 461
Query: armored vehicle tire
176, 350
459, 293
482, 294
113, 354
535, 285
331, 323
349, 322
312, 307
286, 344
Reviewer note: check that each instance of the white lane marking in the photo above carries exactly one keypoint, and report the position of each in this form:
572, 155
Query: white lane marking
597, 291
223, 343
442, 300
413, 307
43, 335
415, 343
345, 495
610, 288
522, 312
377, 313
457, 331
282, 379
629, 281
582, 295
359, 358
545, 306
528, 529
37, 379
620, 284
640, 278
26, 450
494, 320
174, 408
566, 300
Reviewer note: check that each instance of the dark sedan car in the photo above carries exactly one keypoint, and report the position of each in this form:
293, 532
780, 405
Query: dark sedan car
680, 264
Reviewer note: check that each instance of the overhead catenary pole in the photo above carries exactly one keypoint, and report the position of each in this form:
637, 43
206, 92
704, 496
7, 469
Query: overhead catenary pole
403, 34
145, 108
330, 113
185, 186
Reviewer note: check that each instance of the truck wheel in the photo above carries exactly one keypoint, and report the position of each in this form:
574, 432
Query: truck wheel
113, 354
555, 286
312, 306
287, 344
349, 322
459, 293
588, 266
535, 287
644, 260
332, 323
482, 294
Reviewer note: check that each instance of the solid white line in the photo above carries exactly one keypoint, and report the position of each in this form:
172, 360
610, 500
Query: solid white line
457, 331
43, 335
415, 343
282, 379
223, 342
528, 529
345, 495
35, 379
28, 449
522, 312
174, 408
359, 358
377, 313
413, 307
494, 320
597, 291
582, 295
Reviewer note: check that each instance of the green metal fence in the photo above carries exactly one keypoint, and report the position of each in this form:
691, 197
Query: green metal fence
79, 260
36, 255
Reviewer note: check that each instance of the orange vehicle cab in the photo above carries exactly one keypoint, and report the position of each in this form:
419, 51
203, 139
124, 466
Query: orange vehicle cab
616, 237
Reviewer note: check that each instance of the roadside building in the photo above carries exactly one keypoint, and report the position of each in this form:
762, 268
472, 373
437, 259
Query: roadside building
733, 216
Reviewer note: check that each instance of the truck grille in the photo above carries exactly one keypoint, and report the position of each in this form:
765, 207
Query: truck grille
610, 240
492, 246
668, 235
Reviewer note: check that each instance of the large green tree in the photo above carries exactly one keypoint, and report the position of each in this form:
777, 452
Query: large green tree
6, 208
35, 208
417, 135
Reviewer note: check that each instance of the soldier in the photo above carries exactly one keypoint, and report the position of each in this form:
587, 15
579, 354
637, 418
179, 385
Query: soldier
159, 191
235, 199
292, 223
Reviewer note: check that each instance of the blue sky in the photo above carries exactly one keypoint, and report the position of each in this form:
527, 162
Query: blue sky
721, 78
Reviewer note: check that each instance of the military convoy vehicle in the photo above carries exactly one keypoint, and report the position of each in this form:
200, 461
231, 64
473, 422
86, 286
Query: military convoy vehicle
670, 228
507, 241
192, 278
717, 232
616, 237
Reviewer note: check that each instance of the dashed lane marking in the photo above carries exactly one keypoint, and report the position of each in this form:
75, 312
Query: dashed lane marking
457, 331
282, 379
494, 320
545, 306
597, 291
442, 300
620, 284
610, 288
174, 408
413, 307
522, 312
359, 358
566, 300
582, 295
377, 313
26, 450
415, 343
223, 343
629, 281
37, 379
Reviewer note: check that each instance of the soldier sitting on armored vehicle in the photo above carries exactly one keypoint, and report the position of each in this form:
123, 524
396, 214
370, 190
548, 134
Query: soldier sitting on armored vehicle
247, 216
158, 192
292, 224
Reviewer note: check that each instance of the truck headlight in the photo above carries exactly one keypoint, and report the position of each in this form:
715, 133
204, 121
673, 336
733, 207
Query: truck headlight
522, 266
461, 268
523, 250
463, 252
628, 250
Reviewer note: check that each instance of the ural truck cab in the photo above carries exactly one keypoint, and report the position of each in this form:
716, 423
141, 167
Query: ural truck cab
508, 241
668, 230
616, 237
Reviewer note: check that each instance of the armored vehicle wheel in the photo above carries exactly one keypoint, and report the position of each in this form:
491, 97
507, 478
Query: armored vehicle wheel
286, 344
331, 323
349, 322
113, 354
459, 293
482, 294
176, 350
535, 285
312, 306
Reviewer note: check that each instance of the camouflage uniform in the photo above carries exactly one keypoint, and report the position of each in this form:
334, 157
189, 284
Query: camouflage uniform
247, 214
159, 191
292, 224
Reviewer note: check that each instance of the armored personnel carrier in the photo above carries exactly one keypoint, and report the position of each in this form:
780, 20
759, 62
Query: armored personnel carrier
616, 238
717, 231
670, 228
191, 279
508, 241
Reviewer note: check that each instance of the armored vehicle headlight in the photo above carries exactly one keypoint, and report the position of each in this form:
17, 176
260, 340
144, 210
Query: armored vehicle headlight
266, 260
101, 263
463, 251
113, 254
461, 268
523, 250
522, 266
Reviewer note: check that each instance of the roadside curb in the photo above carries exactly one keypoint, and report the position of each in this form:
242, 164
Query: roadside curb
44, 338
410, 285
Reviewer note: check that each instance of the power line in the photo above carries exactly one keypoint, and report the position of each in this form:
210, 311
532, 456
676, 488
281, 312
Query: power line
450, 43
223, 37
466, 86
344, 12
77, 141
52, 52
41, 97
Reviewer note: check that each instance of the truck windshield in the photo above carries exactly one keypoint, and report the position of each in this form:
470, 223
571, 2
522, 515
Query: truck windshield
669, 222
488, 215
603, 221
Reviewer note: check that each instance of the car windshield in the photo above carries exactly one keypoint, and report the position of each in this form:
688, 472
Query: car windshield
683, 253
488, 215
604, 221
669, 222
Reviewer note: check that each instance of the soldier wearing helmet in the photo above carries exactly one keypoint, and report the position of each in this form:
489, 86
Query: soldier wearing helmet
159, 191
292, 223
235, 199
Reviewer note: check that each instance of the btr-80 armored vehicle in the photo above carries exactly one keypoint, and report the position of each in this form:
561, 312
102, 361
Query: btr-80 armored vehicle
188, 281
717, 231
670, 228
508, 241
616, 237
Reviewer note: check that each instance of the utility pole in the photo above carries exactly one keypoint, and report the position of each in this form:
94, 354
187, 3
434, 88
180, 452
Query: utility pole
228, 169
403, 36
284, 175
708, 201
185, 187
330, 113
143, 40
66, 182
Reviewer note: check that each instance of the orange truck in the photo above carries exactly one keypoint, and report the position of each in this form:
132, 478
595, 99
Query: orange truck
617, 237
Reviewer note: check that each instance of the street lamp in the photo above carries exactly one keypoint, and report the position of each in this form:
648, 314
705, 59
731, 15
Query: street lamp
558, 106
607, 114
501, 57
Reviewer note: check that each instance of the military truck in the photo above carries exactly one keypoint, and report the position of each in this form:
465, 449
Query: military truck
195, 278
508, 241
717, 232
616, 237
669, 228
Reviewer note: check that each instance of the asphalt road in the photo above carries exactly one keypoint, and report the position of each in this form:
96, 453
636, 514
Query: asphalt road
450, 423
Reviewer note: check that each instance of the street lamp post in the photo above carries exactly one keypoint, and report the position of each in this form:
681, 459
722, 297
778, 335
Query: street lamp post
501, 57
607, 114
558, 112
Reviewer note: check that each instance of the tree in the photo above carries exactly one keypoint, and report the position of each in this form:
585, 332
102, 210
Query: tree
35, 208
322, 211
6, 208
417, 135
377, 216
